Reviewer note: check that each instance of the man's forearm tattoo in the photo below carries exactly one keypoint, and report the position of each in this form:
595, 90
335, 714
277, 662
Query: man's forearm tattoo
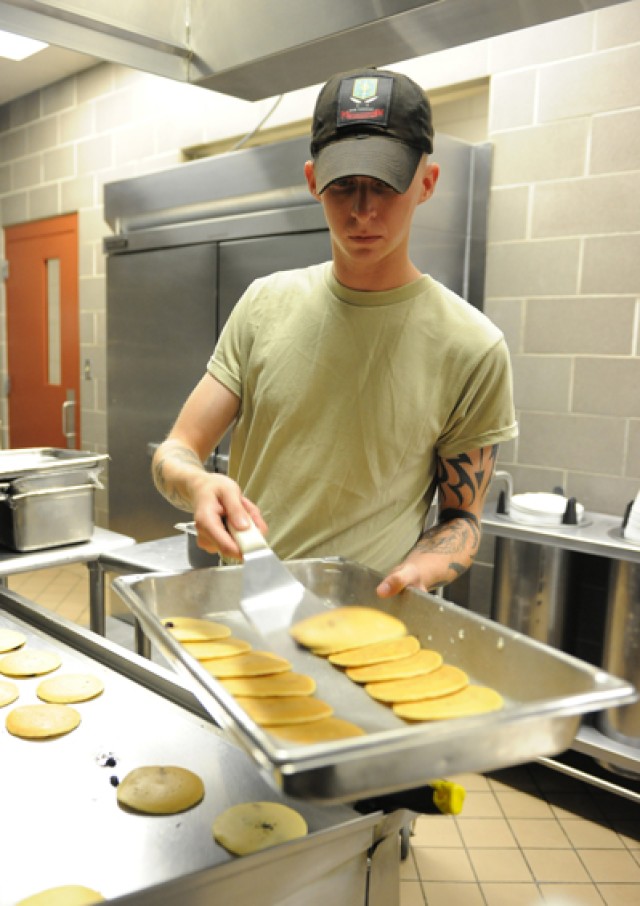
166, 487
458, 533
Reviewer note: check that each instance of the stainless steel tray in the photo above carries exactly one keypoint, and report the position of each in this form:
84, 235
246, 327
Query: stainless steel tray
27, 460
546, 691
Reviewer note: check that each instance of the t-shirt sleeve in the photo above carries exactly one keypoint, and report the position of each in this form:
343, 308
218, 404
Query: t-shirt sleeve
484, 414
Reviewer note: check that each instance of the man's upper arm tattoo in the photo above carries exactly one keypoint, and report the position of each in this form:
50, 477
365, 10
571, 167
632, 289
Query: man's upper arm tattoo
465, 482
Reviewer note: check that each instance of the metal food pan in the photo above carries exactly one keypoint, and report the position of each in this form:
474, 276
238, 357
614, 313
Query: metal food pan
28, 460
545, 690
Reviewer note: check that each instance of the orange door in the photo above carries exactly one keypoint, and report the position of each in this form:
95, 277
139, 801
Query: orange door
43, 333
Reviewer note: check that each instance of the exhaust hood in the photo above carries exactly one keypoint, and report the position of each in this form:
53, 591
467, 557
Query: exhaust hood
253, 49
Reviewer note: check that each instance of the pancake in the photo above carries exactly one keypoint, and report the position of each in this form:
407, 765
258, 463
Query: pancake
11, 639
42, 721
29, 662
160, 790
418, 664
469, 701
252, 826
9, 692
328, 729
69, 688
206, 651
342, 628
378, 653
67, 895
253, 663
279, 684
443, 681
194, 629
268, 712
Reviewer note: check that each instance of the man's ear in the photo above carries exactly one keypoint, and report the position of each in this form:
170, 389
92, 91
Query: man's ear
429, 180
310, 174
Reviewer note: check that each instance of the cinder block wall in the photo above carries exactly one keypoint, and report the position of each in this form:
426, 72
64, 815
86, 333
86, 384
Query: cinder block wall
563, 270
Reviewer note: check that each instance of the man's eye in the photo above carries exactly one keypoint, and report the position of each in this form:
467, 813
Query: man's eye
343, 184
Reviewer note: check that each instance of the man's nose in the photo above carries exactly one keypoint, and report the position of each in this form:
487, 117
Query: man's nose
363, 202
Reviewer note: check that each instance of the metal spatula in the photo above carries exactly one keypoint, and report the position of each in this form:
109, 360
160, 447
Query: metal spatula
272, 599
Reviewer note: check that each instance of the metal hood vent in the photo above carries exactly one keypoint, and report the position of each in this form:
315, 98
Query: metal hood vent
254, 49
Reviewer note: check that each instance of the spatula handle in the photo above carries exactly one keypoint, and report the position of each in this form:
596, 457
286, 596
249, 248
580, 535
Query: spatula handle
250, 539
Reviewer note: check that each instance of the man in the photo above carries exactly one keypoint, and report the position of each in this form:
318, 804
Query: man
358, 388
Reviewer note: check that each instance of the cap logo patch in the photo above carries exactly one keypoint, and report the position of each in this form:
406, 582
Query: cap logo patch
364, 100
364, 90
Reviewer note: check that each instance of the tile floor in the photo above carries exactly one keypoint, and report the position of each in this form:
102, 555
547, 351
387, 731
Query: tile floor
527, 835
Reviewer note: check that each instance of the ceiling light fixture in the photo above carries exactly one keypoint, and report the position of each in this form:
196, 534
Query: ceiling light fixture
15, 47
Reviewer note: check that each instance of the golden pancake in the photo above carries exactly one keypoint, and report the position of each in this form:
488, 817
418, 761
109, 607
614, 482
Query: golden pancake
251, 826
42, 721
160, 790
69, 688
342, 628
279, 684
29, 662
423, 661
443, 681
67, 895
194, 629
378, 653
326, 730
268, 712
10, 639
469, 701
9, 692
207, 651
253, 663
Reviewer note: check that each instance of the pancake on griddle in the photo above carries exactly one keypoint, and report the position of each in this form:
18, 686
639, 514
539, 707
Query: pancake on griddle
66, 895
42, 721
10, 639
9, 692
160, 789
252, 826
68, 688
29, 662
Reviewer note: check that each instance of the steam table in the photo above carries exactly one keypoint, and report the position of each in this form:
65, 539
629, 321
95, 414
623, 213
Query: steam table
101, 543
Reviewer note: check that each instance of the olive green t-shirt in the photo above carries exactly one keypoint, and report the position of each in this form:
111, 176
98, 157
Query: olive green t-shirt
347, 398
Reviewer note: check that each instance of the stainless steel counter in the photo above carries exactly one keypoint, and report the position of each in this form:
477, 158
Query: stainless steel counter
597, 534
101, 543
60, 812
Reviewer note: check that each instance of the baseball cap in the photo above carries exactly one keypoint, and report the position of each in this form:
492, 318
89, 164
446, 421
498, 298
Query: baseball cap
370, 122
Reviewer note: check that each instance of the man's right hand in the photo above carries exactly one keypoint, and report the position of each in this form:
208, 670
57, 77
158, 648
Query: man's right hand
219, 501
